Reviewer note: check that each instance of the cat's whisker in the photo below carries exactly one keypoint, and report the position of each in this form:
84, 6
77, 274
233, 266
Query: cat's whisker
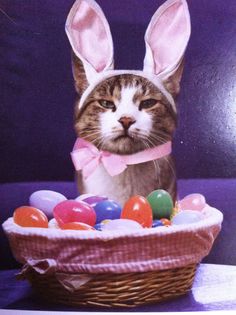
91, 134
98, 142
156, 166
159, 133
95, 141
94, 137
168, 162
171, 167
104, 138
157, 138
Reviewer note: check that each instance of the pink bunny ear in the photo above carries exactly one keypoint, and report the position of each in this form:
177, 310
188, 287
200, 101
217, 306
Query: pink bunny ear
167, 37
90, 37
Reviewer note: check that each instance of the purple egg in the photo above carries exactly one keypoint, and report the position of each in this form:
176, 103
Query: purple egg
91, 199
83, 196
46, 200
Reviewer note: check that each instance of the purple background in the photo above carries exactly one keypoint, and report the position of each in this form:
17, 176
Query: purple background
37, 94
36, 114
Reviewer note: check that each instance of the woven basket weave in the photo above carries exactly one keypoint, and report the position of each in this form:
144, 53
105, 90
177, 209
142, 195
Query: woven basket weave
118, 290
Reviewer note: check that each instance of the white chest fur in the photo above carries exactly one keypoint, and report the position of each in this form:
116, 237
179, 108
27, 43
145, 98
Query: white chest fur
138, 179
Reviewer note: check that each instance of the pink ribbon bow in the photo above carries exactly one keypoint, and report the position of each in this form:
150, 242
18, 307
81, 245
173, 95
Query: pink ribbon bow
87, 157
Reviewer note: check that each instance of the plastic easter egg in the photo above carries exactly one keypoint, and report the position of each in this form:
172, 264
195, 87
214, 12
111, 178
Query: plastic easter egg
83, 196
93, 200
46, 200
105, 221
193, 202
77, 226
74, 211
187, 217
107, 209
165, 222
98, 226
175, 211
30, 217
52, 224
161, 204
121, 225
157, 223
138, 209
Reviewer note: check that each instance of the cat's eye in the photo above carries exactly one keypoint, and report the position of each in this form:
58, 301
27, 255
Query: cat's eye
107, 104
145, 104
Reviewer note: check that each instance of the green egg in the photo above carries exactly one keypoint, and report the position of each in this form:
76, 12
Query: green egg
161, 204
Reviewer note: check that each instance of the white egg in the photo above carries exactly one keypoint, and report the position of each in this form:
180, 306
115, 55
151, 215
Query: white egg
187, 217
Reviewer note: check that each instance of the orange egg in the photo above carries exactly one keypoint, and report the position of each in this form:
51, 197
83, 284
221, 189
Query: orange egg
138, 209
165, 222
30, 217
76, 226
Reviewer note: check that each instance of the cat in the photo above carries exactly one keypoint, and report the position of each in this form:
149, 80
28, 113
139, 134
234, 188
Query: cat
126, 113
150, 120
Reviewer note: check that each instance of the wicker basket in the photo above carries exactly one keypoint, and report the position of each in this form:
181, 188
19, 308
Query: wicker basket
117, 290
123, 269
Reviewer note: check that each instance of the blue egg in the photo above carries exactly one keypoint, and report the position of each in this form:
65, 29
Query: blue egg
107, 209
98, 226
157, 223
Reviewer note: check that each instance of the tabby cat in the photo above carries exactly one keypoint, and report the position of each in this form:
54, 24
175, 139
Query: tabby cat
126, 112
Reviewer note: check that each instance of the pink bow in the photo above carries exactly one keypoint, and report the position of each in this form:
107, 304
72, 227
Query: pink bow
87, 157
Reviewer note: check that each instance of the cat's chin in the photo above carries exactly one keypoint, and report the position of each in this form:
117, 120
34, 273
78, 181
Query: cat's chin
124, 144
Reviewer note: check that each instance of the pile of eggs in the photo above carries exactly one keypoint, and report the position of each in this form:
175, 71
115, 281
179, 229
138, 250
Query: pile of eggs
50, 209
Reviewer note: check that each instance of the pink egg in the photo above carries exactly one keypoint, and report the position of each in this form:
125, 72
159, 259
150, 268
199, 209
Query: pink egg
74, 211
193, 202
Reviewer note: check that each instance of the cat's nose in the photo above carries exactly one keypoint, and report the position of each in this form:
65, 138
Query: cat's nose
126, 121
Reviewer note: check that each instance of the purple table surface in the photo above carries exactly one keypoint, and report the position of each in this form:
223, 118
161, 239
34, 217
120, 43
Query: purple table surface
214, 288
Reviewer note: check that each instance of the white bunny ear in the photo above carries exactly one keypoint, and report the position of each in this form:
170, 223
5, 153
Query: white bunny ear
90, 37
167, 37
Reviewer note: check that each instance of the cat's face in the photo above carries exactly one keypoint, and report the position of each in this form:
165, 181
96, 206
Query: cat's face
125, 114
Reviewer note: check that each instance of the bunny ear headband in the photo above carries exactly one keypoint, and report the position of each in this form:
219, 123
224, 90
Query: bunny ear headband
166, 39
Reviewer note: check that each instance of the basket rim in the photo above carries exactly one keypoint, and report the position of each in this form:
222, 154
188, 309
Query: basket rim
212, 217
99, 252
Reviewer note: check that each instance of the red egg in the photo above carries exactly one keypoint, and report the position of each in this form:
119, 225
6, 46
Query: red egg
30, 217
77, 226
137, 208
74, 211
